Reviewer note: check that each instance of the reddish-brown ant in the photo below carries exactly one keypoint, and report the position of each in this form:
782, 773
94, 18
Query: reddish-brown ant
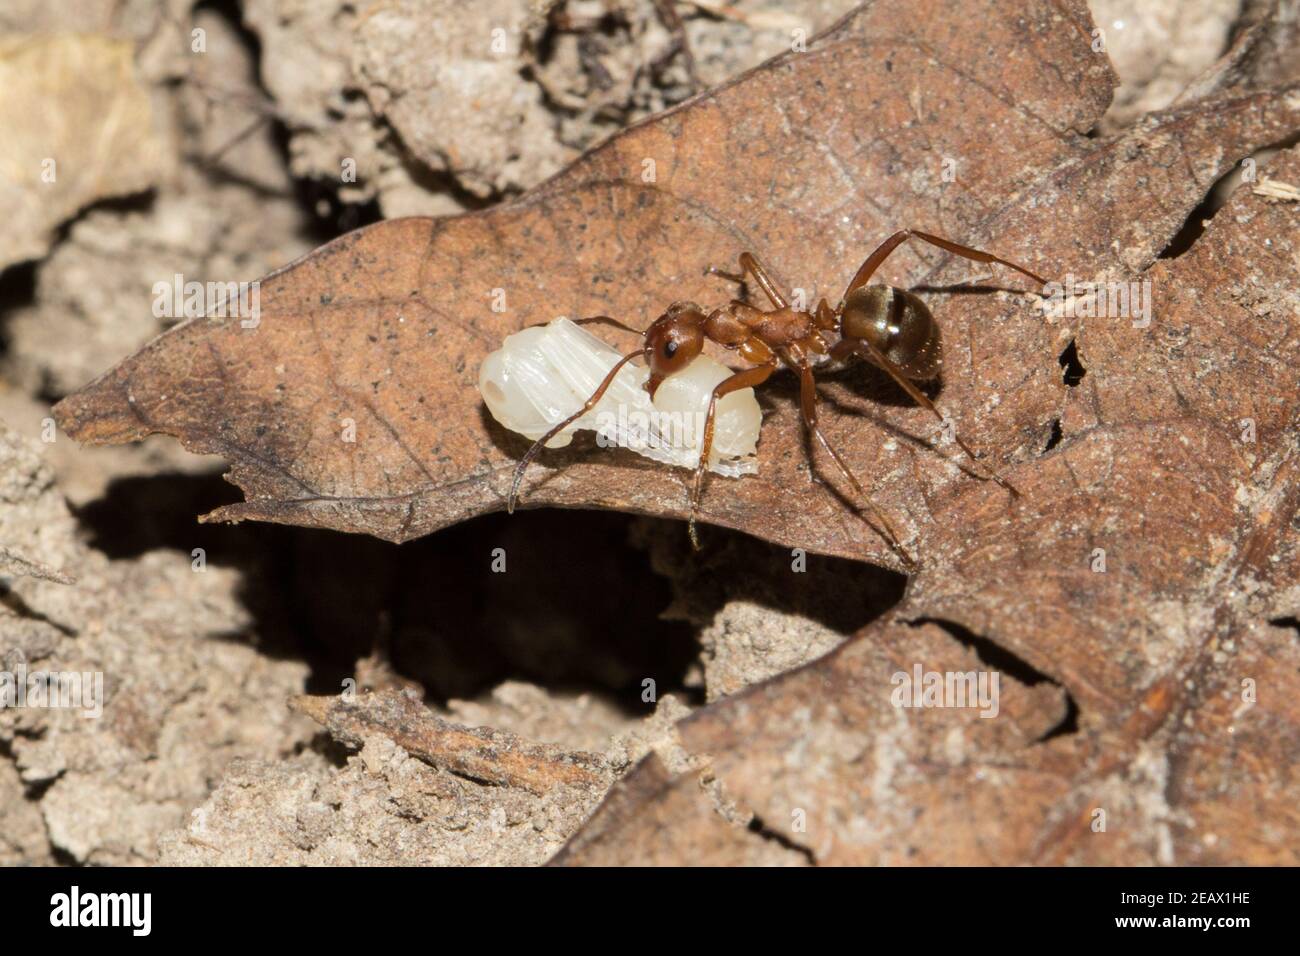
889, 327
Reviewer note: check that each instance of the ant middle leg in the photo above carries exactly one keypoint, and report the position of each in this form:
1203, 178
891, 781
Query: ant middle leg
865, 350
873, 261
609, 320
749, 265
745, 378
808, 405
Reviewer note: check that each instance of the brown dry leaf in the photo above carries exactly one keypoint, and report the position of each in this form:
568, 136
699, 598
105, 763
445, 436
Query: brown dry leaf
1181, 723
810, 162
1122, 688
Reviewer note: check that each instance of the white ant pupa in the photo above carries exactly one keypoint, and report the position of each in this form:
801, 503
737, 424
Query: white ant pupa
544, 373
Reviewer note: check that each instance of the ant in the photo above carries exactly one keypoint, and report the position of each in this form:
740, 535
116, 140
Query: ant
889, 327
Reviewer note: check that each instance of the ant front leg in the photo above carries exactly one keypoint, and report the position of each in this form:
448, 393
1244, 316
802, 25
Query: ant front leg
750, 265
808, 405
587, 406
882, 252
865, 350
589, 320
745, 378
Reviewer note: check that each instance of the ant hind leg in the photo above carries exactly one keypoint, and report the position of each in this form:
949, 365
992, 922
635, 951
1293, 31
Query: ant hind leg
873, 261
808, 405
865, 350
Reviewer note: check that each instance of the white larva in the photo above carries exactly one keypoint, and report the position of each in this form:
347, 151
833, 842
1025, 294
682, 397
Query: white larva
543, 374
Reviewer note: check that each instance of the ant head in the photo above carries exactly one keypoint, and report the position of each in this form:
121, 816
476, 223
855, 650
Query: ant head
673, 341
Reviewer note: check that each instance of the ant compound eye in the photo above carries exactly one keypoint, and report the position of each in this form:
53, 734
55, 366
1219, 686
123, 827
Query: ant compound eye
670, 348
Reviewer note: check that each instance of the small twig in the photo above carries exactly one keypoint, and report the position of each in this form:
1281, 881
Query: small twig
481, 753
15, 565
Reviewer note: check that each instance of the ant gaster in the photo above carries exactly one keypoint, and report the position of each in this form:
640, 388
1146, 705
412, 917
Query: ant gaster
889, 327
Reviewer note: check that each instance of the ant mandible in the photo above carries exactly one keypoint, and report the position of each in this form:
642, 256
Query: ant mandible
889, 327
